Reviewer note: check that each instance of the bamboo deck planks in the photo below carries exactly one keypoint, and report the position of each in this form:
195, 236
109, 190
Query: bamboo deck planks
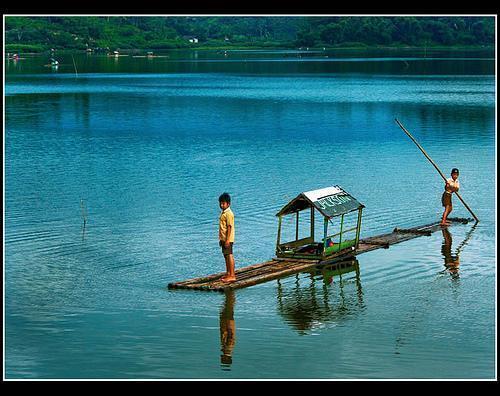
278, 267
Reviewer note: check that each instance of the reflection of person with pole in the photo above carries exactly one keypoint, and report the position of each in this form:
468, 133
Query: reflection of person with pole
451, 261
227, 328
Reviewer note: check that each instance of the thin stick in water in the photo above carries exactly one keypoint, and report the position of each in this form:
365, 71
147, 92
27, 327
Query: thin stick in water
84, 214
74, 64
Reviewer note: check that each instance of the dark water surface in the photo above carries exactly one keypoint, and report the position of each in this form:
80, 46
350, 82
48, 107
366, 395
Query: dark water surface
147, 145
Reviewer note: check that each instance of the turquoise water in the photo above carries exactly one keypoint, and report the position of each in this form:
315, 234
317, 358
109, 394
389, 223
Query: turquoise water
147, 146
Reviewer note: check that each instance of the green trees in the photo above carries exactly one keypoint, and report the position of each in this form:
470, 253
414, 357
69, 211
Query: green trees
174, 32
413, 31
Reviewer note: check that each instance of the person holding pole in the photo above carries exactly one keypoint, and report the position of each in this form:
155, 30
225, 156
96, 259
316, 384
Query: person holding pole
452, 186
446, 213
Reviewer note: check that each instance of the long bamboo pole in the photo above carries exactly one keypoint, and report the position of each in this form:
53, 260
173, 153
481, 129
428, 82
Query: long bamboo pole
435, 166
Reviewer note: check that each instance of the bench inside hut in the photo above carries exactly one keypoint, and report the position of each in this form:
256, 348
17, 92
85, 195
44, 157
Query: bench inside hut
337, 210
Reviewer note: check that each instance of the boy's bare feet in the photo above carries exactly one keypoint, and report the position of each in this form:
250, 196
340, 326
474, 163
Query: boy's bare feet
227, 279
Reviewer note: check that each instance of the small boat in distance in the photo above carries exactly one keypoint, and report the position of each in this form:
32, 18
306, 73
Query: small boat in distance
115, 54
150, 55
14, 57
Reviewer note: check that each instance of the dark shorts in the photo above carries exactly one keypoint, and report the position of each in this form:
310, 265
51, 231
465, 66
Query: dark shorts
226, 251
446, 199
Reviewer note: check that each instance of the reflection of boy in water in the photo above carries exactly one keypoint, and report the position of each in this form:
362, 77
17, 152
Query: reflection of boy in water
227, 328
451, 261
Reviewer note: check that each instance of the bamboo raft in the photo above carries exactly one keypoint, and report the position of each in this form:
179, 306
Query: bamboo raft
282, 267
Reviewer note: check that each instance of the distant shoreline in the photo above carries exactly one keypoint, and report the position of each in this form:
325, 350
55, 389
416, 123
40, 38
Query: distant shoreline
33, 49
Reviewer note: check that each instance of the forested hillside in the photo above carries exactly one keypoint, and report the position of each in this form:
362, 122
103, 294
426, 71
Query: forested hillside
80, 32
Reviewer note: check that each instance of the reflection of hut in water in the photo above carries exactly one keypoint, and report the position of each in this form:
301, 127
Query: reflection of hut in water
311, 303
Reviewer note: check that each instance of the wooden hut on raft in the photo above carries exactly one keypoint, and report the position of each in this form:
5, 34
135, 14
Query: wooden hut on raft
341, 224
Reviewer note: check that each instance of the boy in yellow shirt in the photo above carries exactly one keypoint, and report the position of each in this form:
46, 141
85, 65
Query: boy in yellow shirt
226, 236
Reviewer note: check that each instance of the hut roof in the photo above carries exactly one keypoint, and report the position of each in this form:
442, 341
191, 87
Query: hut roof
330, 202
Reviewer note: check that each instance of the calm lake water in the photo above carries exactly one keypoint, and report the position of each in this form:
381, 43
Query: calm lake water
142, 148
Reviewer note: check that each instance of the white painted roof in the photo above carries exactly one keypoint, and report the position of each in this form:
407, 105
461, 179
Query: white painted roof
323, 192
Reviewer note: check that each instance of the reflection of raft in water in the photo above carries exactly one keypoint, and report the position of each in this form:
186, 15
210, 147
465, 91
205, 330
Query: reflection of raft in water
304, 253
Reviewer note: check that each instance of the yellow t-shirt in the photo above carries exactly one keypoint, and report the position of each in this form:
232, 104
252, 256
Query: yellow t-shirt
226, 219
